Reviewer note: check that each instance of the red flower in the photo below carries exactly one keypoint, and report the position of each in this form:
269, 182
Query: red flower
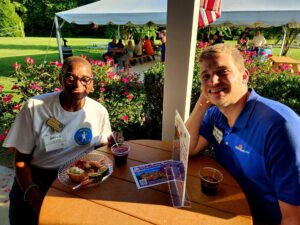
29, 60
1, 88
2, 137
36, 86
102, 89
15, 86
17, 107
7, 98
57, 90
130, 97
11, 150
56, 63
124, 118
83, 56
16, 66
125, 80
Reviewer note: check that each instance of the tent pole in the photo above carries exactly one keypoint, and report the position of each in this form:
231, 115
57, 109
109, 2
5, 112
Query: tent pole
58, 39
283, 40
118, 32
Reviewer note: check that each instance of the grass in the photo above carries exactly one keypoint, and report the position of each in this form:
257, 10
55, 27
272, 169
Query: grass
40, 49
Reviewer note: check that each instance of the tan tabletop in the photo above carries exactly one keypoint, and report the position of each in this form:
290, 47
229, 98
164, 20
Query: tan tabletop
277, 60
118, 201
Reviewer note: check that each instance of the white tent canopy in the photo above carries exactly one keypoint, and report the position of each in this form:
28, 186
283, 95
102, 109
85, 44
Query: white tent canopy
242, 12
118, 12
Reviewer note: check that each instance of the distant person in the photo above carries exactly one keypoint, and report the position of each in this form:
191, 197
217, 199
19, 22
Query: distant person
50, 130
163, 46
205, 38
127, 58
258, 41
242, 42
109, 53
120, 44
217, 38
138, 49
148, 47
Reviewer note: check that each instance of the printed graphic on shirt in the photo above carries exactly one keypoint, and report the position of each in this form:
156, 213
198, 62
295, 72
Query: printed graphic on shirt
241, 149
83, 136
218, 134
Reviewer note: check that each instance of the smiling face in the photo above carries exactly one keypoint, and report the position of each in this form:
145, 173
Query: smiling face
76, 78
223, 83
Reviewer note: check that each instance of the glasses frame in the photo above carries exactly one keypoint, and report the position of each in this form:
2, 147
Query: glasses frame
84, 83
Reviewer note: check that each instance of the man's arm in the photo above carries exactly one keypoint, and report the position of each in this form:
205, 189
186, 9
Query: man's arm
24, 179
290, 214
197, 143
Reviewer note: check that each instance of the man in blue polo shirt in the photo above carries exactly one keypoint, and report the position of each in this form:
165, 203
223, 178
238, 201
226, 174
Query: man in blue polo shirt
254, 138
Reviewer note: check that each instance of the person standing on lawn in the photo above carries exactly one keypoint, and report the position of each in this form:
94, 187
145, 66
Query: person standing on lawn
50, 130
254, 138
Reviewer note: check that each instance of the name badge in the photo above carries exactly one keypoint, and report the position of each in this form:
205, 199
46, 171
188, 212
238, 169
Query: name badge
54, 142
218, 134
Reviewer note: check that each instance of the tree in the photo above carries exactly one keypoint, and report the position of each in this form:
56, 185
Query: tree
11, 24
38, 15
289, 39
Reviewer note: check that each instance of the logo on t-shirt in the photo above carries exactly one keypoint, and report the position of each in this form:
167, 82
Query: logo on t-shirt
241, 149
83, 136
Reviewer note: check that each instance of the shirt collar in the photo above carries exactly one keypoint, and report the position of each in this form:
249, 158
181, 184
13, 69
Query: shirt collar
244, 116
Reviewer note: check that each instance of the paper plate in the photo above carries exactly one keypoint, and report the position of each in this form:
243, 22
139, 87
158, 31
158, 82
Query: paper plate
92, 156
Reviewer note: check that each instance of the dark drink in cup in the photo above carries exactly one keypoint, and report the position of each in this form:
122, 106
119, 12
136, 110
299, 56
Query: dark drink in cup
210, 179
120, 152
209, 185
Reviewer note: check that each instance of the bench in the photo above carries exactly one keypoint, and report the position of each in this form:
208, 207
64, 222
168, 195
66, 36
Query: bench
277, 60
143, 58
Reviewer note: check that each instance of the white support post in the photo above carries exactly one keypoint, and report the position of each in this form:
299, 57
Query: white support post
58, 39
180, 54
283, 40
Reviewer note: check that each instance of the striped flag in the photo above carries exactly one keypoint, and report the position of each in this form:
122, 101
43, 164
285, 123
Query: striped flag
210, 10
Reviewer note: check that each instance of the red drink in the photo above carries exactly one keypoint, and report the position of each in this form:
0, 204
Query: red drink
209, 185
120, 153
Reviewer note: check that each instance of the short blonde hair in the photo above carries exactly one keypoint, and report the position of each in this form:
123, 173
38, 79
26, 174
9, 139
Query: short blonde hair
214, 50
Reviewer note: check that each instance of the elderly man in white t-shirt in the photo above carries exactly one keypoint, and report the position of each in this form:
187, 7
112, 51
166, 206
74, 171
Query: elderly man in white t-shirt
50, 130
258, 41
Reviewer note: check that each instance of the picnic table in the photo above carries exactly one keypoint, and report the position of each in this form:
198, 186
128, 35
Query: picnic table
97, 45
118, 201
278, 60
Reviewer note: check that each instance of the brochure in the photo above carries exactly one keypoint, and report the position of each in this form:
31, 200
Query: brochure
156, 173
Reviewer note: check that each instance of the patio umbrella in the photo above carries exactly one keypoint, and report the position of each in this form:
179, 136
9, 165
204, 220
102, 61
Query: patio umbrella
209, 12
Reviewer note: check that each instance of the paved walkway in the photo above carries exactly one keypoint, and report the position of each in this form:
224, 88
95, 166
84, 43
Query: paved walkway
6, 181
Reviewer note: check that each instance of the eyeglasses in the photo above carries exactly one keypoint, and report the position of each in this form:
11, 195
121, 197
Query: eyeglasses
72, 79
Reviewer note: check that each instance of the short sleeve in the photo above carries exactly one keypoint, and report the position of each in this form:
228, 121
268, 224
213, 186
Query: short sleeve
21, 134
106, 127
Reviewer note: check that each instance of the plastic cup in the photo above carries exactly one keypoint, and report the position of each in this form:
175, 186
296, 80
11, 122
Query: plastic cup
210, 179
120, 152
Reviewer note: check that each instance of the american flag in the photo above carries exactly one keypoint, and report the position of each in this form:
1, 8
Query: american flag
210, 10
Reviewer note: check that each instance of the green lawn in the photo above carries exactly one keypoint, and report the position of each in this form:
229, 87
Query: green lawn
40, 49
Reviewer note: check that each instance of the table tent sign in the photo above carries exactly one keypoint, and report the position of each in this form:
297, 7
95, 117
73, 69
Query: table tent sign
173, 172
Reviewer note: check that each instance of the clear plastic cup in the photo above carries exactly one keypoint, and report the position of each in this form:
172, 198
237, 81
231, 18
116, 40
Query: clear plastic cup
210, 179
120, 152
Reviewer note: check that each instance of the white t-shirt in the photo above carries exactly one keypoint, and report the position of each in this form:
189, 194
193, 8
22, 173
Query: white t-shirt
259, 41
83, 129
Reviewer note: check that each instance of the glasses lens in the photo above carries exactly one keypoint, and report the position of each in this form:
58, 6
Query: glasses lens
85, 80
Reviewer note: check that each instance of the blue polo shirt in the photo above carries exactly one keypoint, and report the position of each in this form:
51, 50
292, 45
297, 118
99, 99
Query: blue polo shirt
261, 151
